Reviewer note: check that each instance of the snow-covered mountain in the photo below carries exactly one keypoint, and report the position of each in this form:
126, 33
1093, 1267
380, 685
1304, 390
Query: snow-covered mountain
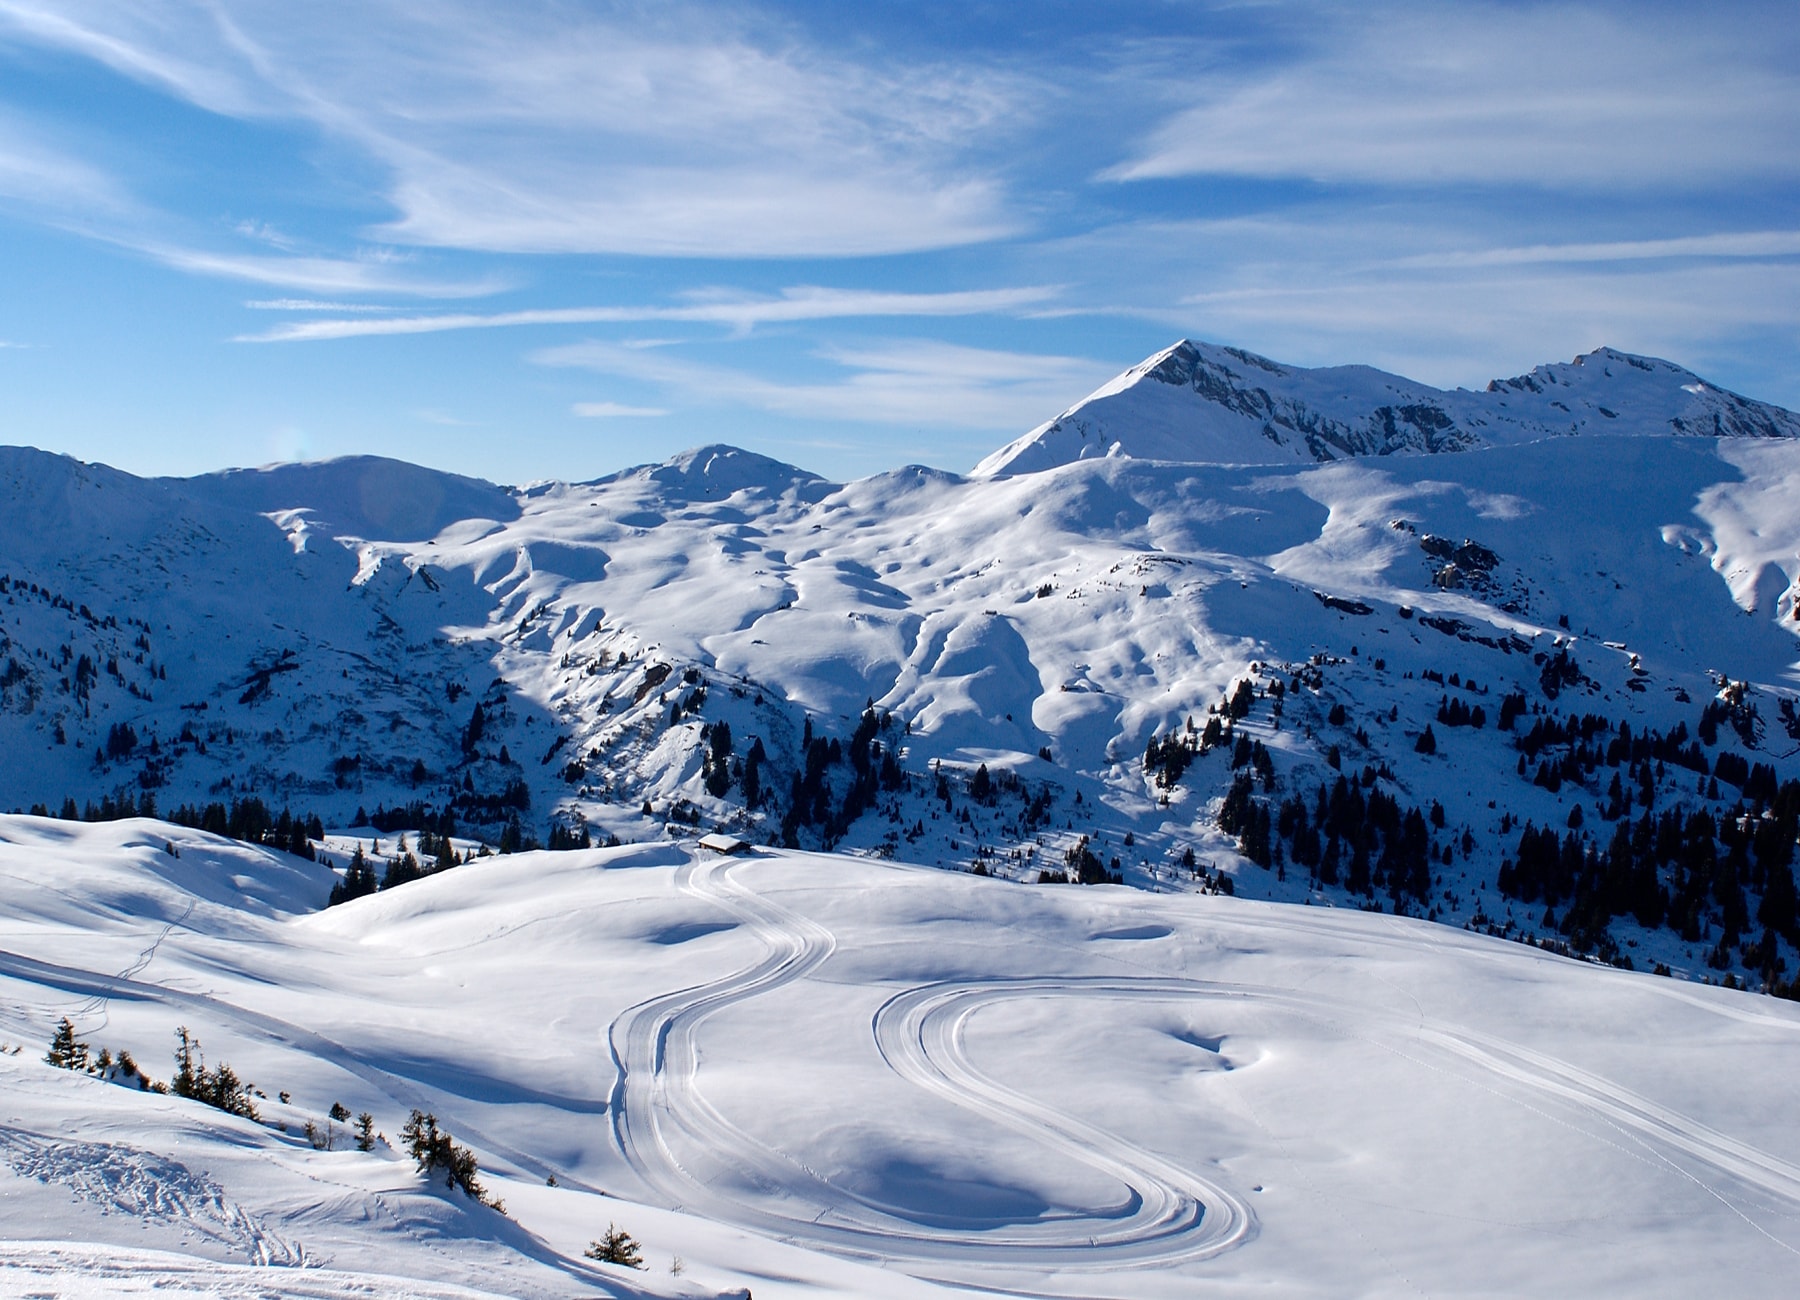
694, 644
1202, 402
1543, 690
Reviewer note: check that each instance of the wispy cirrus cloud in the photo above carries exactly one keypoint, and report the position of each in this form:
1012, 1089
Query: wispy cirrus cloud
46, 177
1728, 245
1582, 97
171, 46
740, 312
378, 272
615, 410
1435, 293
311, 304
891, 382
682, 130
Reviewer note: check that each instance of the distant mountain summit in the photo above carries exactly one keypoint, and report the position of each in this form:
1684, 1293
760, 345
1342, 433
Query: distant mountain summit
1444, 685
1200, 403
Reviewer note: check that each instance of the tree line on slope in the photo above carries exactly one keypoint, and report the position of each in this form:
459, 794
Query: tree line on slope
246, 819
219, 1086
1683, 867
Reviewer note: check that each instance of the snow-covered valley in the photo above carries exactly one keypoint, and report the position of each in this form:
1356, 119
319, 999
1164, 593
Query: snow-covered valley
1343, 709
810, 1074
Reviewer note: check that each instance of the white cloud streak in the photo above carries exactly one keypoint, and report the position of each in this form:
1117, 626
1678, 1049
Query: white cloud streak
540, 128
310, 304
615, 410
373, 274
1422, 292
40, 176
739, 312
168, 46
903, 382
1579, 97
1748, 244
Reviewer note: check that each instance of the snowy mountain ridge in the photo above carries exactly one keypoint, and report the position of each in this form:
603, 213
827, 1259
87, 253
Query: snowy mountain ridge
659, 650
1545, 690
1203, 402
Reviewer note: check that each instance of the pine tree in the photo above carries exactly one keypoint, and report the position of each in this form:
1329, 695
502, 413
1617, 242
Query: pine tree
616, 1247
512, 839
65, 1053
218, 1087
432, 1148
359, 879
186, 1074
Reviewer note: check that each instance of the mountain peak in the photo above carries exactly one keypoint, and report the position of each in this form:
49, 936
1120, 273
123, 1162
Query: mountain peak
718, 470
1214, 404
371, 497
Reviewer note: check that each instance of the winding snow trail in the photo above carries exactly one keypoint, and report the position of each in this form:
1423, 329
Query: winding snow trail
692, 1156
672, 1136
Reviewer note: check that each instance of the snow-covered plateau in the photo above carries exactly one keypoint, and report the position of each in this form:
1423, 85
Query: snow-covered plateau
1353, 796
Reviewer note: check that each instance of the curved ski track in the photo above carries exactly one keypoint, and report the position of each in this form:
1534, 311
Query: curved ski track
664, 1127
672, 1136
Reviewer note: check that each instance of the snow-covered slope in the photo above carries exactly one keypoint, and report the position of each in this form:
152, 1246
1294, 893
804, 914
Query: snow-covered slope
1545, 689
807, 1075
1202, 402
658, 648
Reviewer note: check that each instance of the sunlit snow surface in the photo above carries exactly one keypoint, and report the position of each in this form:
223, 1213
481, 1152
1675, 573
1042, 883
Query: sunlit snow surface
814, 1075
1203, 402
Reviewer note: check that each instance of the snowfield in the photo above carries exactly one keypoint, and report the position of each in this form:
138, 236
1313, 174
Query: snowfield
807, 1074
1049, 625
1330, 686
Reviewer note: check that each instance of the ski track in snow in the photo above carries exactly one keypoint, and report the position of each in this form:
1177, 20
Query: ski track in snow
664, 1126
662, 1122
147, 1186
50, 1270
99, 1005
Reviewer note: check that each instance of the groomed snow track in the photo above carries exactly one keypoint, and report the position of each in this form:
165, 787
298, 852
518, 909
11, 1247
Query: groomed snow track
677, 1141
666, 1130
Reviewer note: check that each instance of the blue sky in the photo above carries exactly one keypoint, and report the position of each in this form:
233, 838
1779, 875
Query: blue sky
551, 240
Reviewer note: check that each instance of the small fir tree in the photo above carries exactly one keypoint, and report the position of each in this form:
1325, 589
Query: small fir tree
65, 1052
616, 1247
